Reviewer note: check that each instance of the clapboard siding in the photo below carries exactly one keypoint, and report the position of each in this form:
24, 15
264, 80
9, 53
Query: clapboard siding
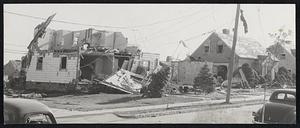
51, 70
187, 71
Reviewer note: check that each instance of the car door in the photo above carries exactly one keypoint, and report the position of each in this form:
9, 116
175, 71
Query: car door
278, 108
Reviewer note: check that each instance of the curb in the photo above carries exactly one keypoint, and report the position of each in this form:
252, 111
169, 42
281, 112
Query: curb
184, 109
153, 107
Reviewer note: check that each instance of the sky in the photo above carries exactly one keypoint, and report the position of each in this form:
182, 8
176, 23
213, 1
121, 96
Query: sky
154, 28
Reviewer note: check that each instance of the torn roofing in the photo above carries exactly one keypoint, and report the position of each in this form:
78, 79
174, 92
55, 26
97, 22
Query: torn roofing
289, 48
245, 47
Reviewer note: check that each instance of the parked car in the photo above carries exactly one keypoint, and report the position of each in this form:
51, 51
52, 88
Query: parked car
280, 109
25, 111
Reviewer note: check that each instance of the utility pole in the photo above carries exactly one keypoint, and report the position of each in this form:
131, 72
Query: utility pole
232, 57
77, 65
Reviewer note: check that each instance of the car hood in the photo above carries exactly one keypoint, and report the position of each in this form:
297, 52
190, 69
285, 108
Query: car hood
278, 112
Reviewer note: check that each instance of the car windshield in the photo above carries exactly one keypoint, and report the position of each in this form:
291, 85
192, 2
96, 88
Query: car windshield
38, 119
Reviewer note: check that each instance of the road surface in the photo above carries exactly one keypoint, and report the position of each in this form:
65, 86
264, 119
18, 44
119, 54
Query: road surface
228, 115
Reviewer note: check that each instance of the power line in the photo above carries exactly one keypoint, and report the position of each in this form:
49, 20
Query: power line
161, 30
204, 33
168, 20
198, 35
10, 52
12, 44
182, 27
67, 22
14, 50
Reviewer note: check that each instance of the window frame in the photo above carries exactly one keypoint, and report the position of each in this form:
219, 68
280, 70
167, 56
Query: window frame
205, 48
37, 63
66, 63
218, 48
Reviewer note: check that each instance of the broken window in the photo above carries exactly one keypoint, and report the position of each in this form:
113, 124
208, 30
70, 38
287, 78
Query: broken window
39, 64
63, 64
206, 49
75, 38
220, 49
282, 56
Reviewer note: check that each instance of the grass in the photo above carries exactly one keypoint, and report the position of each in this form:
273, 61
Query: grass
108, 101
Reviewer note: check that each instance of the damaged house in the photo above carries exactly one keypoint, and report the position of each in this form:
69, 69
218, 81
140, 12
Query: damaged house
90, 58
286, 54
217, 49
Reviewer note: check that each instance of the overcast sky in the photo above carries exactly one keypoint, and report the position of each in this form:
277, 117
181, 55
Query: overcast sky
154, 27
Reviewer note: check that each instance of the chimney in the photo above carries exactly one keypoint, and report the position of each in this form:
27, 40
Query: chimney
226, 31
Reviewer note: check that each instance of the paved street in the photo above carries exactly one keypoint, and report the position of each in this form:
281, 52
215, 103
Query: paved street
229, 115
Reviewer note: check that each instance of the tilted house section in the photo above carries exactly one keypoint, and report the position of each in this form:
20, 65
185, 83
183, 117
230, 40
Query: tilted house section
51, 68
47, 40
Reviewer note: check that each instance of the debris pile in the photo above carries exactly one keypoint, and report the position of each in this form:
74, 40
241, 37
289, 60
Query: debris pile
33, 95
122, 80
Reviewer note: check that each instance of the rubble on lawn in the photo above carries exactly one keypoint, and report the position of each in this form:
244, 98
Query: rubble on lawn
123, 81
23, 94
33, 95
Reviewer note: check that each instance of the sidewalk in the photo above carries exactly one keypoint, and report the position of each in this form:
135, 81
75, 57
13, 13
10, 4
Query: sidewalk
62, 113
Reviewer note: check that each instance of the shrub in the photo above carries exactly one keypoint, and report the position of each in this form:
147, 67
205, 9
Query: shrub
250, 75
204, 80
159, 80
283, 76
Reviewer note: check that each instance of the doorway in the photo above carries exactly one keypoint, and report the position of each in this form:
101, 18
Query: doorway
222, 71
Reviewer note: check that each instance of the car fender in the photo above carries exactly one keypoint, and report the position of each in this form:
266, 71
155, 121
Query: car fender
290, 117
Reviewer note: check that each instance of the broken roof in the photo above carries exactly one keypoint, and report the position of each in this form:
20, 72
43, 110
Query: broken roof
245, 47
289, 48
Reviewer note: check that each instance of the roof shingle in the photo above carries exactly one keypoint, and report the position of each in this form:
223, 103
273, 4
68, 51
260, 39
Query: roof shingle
245, 47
